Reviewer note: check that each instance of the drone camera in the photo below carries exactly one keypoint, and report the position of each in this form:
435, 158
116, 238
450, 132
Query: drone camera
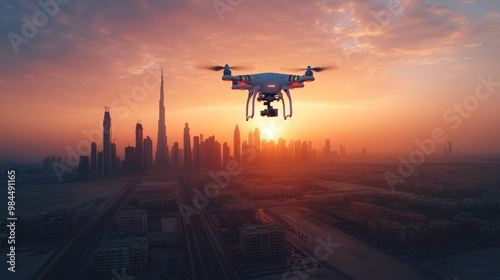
273, 112
269, 112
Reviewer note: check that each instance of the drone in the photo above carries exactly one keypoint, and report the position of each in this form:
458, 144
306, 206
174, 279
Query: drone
268, 87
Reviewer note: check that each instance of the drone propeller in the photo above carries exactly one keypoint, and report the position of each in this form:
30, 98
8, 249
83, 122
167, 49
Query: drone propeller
315, 69
218, 67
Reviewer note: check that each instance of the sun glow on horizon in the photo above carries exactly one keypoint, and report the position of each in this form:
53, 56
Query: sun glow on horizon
268, 133
271, 128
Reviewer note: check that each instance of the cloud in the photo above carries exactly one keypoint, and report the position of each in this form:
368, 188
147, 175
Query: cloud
494, 15
409, 32
108, 37
467, 2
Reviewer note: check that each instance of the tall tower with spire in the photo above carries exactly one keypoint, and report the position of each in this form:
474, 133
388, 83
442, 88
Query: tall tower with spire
162, 146
106, 144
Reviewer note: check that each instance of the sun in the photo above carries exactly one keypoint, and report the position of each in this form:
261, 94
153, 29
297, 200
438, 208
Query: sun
269, 129
268, 133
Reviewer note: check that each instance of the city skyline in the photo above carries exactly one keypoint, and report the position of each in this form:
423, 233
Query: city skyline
135, 158
395, 83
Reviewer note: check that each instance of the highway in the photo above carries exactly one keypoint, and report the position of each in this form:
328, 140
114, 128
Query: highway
209, 256
210, 259
66, 263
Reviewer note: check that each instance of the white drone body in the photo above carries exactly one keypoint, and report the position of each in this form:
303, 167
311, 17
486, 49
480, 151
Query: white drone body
268, 87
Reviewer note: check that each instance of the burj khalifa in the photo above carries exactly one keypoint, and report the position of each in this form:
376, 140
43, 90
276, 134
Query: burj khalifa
162, 146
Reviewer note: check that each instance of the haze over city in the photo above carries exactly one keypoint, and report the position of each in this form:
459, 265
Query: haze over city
403, 68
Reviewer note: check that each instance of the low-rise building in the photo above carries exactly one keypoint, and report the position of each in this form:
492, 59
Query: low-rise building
235, 213
55, 226
262, 241
130, 253
132, 222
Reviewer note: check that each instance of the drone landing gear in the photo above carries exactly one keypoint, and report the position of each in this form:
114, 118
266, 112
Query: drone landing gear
251, 95
287, 92
268, 98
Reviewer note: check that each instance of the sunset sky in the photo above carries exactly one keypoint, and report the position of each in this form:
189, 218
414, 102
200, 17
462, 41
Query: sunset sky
404, 68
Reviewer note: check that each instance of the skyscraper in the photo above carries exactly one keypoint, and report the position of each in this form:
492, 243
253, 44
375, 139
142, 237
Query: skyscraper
256, 143
187, 147
112, 155
83, 168
237, 145
139, 159
217, 152
281, 150
175, 154
327, 150
245, 151
148, 153
106, 144
93, 157
225, 154
203, 152
162, 148
196, 152
99, 160
211, 153
305, 152
250, 139
129, 159
271, 151
342, 150
298, 150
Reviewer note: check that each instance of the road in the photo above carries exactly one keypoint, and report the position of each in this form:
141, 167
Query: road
209, 257
66, 262
352, 257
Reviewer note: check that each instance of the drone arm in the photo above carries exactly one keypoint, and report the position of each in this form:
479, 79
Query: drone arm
230, 78
306, 79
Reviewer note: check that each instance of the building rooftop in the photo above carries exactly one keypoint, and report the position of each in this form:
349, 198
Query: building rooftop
265, 228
